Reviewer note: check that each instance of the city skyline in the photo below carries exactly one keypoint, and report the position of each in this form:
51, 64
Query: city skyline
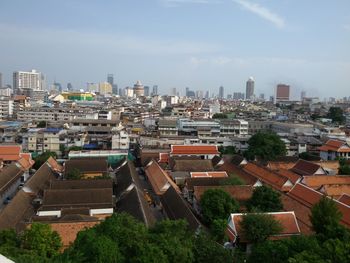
275, 42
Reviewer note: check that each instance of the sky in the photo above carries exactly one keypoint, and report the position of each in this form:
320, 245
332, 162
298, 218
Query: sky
200, 44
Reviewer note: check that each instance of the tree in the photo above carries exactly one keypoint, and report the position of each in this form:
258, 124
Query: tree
325, 217
265, 199
208, 251
75, 148
42, 158
217, 204
41, 124
336, 114
265, 146
219, 116
74, 174
259, 227
227, 150
217, 229
232, 180
344, 167
309, 156
41, 240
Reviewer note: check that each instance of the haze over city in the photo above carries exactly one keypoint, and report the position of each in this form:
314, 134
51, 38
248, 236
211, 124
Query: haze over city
201, 44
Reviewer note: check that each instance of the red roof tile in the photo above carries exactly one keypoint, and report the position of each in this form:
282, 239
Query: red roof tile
335, 146
10, 152
208, 174
157, 177
345, 199
316, 181
194, 149
303, 167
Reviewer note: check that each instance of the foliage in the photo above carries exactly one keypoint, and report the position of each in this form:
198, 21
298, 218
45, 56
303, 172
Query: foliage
74, 174
208, 251
344, 167
42, 158
217, 229
40, 239
265, 199
227, 150
75, 148
258, 227
232, 180
265, 146
336, 114
217, 204
219, 116
41, 124
325, 217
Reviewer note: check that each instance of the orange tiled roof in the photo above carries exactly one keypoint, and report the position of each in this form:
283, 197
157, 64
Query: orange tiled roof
25, 163
335, 146
239, 192
303, 167
310, 197
54, 165
208, 174
271, 178
10, 152
287, 219
335, 190
157, 177
280, 165
193, 149
293, 177
316, 181
163, 157
345, 199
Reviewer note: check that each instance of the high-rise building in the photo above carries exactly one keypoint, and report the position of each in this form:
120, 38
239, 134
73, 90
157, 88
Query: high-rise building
238, 96
139, 89
221, 92
155, 90
69, 86
57, 86
129, 92
262, 96
249, 90
282, 92
146, 90
27, 80
110, 80
207, 94
0, 80
105, 88
302, 95
173, 91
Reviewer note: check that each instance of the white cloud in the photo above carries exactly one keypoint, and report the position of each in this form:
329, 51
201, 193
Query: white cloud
263, 12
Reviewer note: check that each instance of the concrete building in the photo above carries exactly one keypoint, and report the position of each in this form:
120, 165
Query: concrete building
5, 91
221, 92
167, 127
120, 141
6, 108
234, 127
129, 92
105, 88
154, 90
282, 93
249, 91
42, 140
139, 89
23, 80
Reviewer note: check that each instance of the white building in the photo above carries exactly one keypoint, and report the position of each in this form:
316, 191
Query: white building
6, 91
6, 108
120, 141
234, 127
33, 80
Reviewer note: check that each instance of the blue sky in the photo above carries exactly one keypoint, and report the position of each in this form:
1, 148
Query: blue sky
201, 44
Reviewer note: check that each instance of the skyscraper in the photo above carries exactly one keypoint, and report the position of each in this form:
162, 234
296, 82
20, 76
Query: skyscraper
302, 95
105, 88
138, 89
221, 92
173, 91
110, 80
249, 90
155, 90
27, 80
69, 86
282, 92
146, 90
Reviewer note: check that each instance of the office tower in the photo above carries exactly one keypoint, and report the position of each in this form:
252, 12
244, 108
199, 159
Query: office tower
0, 80
173, 92
57, 86
27, 80
229, 96
207, 94
69, 86
303, 95
199, 94
282, 92
105, 88
262, 96
187, 90
146, 90
120, 92
272, 98
249, 90
221, 92
138, 89
129, 92
155, 90
110, 79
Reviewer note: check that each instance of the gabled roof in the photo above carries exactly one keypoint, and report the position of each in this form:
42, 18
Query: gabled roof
240, 193
191, 165
316, 181
81, 184
194, 150
293, 177
54, 165
230, 168
203, 181
288, 221
87, 165
310, 197
335, 190
303, 167
8, 176
10, 152
270, 178
335, 146
176, 208
345, 199
208, 174
157, 177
